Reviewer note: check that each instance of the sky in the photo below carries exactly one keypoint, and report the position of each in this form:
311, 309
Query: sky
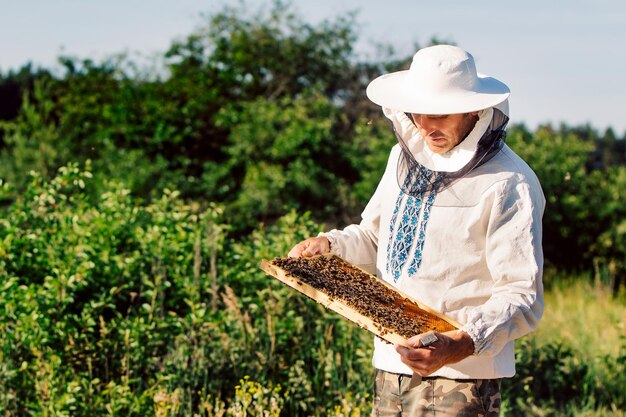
564, 60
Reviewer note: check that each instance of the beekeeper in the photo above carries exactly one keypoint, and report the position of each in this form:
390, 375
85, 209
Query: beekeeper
455, 222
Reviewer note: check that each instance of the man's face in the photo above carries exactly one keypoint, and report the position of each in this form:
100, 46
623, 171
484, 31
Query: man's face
443, 132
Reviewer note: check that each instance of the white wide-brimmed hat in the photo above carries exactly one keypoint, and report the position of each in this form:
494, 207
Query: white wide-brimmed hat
442, 79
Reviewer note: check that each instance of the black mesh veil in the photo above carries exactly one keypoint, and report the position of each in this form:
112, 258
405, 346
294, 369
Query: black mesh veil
415, 179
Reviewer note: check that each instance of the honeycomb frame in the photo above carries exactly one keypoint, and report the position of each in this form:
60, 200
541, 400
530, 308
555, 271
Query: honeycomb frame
368, 301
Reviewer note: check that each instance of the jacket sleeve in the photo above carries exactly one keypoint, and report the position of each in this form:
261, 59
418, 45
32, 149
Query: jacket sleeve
358, 243
515, 260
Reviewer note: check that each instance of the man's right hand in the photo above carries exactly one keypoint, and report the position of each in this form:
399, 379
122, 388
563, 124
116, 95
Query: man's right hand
310, 247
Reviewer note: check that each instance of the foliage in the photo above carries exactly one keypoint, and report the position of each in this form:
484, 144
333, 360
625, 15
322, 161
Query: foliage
285, 155
368, 153
110, 305
32, 142
92, 288
13, 85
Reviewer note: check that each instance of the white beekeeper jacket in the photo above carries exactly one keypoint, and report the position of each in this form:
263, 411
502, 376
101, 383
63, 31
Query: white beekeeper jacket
473, 253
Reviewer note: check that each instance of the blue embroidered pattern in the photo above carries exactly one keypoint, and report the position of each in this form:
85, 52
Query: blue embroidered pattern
408, 230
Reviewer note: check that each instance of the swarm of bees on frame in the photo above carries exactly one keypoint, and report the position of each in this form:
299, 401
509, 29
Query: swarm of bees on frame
363, 293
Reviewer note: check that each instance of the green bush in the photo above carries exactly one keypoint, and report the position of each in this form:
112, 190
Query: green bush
93, 289
107, 303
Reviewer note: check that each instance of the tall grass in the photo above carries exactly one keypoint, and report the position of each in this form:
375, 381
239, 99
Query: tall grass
574, 364
584, 314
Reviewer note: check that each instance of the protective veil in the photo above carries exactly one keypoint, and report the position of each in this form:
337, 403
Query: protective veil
422, 171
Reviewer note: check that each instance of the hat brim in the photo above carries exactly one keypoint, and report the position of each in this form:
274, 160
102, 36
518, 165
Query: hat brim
393, 91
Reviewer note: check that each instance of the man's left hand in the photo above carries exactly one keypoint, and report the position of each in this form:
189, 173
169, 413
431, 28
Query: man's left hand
450, 347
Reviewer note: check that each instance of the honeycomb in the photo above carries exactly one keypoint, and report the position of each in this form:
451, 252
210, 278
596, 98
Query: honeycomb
359, 296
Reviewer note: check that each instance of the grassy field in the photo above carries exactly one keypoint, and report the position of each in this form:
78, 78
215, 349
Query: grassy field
582, 339
587, 317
